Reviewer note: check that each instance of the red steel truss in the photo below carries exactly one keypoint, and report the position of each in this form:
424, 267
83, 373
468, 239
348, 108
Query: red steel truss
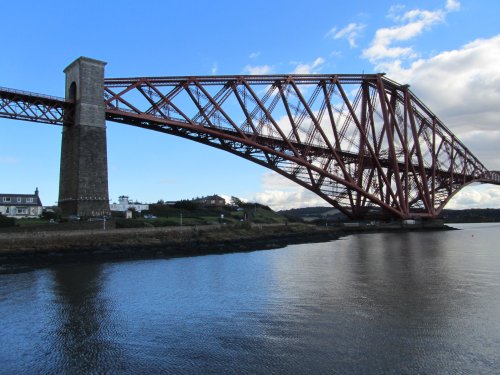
22, 105
361, 142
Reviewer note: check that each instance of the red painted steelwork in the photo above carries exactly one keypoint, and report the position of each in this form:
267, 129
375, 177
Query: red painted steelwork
358, 141
22, 105
361, 142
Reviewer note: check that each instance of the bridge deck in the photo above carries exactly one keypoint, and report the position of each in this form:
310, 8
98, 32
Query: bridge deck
29, 106
386, 148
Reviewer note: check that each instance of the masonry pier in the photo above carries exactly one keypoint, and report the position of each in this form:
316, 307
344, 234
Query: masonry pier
83, 188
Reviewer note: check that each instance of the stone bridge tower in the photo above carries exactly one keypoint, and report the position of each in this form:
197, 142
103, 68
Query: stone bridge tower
83, 185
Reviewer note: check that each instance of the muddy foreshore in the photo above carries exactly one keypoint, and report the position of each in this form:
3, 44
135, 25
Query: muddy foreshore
42, 248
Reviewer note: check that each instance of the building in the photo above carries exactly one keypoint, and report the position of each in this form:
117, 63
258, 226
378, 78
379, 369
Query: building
211, 200
124, 205
21, 205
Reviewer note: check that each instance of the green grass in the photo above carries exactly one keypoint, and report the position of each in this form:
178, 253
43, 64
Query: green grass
189, 218
26, 222
168, 215
262, 216
172, 217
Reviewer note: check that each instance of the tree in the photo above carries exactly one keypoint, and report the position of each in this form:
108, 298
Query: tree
235, 201
186, 205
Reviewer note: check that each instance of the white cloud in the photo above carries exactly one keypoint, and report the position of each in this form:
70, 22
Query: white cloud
309, 68
351, 32
272, 181
214, 68
415, 22
412, 23
462, 87
281, 193
452, 5
283, 200
483, 144
227, 198
254, 55
484, 196
395, 12
258, 70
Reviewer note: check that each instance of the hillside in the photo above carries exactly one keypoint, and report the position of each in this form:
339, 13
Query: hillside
474, 215
312, 214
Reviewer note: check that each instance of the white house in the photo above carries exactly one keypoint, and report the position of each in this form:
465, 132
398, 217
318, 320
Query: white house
21, 205
124, 205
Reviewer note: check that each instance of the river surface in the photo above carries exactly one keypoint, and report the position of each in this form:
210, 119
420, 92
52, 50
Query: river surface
421, 302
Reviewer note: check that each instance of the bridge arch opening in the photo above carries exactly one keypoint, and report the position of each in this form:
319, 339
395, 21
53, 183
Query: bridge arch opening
71, 97
475, 195
72, 92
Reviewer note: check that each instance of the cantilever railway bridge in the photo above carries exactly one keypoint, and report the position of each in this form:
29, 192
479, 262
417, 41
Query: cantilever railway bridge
362, 142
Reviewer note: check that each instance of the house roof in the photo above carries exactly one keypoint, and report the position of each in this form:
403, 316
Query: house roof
24, 199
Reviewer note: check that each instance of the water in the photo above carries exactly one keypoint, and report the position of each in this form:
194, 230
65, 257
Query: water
373, 303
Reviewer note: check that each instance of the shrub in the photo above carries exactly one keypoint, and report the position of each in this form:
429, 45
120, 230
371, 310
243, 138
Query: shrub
7, 221
48, 215
186, 205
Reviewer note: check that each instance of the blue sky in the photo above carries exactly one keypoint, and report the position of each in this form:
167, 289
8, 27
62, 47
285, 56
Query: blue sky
447, 50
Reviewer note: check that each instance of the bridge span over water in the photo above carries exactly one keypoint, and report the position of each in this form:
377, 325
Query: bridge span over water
362, 142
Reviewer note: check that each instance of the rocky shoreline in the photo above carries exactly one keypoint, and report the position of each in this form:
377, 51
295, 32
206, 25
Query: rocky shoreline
44, 248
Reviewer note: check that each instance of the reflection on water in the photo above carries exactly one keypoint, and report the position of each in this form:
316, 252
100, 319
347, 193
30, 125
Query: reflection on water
375, 303
82, 320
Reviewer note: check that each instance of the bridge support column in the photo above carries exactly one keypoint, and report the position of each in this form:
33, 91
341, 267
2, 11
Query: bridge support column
83, 184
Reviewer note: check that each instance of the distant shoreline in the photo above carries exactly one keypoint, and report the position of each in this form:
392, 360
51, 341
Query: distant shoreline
38, 249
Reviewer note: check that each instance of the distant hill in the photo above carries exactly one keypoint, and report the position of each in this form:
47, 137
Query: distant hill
473, 215
313, 213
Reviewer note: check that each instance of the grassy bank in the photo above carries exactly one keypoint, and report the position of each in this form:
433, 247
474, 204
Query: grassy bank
39, 248
76, 245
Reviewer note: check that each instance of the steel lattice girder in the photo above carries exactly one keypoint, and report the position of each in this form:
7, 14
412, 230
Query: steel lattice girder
22, 105
358, 141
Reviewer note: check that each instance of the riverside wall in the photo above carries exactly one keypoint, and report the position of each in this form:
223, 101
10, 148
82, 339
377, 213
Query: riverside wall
95, 243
